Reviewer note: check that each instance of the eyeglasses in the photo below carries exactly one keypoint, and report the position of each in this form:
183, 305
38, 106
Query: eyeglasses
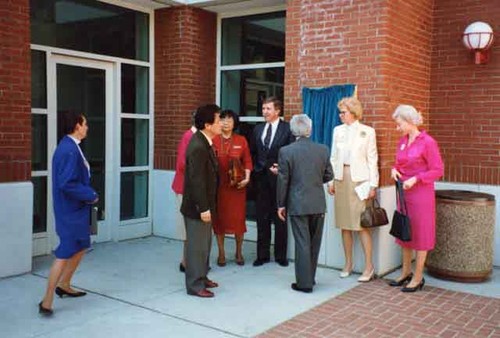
343, 112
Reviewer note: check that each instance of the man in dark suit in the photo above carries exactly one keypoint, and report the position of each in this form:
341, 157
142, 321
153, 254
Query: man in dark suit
199, 200
266, 141
304, 166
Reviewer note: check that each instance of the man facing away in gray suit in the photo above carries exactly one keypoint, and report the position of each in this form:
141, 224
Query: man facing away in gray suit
303, 168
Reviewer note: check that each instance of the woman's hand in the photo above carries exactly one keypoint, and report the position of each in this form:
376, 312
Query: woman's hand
243, 183
409, 183
373, 193
395, 175
331, 189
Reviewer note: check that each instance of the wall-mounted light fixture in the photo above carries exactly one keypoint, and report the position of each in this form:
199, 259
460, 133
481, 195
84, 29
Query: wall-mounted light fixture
478, 37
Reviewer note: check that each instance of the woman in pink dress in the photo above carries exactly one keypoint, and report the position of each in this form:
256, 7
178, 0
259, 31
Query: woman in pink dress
231, 196
418, 165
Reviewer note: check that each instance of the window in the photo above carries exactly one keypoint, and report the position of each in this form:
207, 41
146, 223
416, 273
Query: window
90, 26
135, 120
252, 68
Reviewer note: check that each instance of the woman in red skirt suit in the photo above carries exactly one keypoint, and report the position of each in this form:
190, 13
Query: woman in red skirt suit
231, 199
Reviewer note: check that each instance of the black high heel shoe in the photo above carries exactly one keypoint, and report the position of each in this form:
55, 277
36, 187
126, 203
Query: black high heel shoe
182, 268
62, 293
415, 288
402, 281
44, 311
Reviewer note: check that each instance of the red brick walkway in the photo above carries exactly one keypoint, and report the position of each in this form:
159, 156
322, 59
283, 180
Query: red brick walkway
377, 310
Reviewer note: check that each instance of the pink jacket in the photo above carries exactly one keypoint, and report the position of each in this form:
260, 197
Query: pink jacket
180, 165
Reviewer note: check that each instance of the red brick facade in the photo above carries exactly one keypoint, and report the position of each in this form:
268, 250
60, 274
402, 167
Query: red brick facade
465, 98
185, 59
15, 92
380, 46
404, 52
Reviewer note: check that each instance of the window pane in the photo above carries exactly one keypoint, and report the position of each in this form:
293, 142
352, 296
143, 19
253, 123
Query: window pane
38, 142
135, 137
244, 90
90, 26
39, 204
134, 195
253, 39
38, 79
135, 89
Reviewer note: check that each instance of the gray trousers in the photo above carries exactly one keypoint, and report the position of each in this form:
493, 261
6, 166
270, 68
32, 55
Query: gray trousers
198, 244
307, 232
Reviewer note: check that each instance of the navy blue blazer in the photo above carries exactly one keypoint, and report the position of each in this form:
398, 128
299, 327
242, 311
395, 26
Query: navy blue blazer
264, 158
71, 191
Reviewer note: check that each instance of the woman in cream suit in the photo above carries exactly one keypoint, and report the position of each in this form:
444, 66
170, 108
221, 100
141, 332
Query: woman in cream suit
354, 160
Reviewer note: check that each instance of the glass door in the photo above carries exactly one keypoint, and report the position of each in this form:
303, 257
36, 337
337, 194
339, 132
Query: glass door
85, 86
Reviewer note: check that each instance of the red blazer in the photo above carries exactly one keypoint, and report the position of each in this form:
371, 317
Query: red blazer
180, 165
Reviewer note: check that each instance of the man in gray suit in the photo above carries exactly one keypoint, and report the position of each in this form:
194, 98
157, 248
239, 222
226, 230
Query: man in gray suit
303, 168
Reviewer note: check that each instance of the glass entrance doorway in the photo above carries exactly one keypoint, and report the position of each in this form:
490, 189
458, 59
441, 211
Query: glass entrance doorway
75, 84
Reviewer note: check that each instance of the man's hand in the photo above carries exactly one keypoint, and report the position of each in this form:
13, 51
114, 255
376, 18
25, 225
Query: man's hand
331, 188
274, 168
206, 216
282, 213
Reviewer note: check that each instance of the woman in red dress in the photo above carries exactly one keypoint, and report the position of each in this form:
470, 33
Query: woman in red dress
231, 149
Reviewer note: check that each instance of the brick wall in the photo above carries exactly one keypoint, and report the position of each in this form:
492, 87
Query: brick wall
465, 98
15, 92
381, 46
185, 63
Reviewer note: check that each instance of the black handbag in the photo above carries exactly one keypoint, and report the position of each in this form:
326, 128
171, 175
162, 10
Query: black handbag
401, 227
93, 220
373, 215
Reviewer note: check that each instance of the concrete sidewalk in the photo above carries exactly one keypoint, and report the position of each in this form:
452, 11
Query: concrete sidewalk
136, 290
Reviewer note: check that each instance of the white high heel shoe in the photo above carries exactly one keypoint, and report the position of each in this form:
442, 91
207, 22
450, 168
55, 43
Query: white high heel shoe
364, 279
345, 274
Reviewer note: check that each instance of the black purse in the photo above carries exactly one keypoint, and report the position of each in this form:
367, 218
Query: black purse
373, 215
401, 227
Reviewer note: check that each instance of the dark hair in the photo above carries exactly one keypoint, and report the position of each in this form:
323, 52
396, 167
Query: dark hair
69, 120
276, 102
205, 114
229, 113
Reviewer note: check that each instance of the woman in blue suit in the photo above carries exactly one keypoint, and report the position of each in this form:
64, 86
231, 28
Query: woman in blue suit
72, 197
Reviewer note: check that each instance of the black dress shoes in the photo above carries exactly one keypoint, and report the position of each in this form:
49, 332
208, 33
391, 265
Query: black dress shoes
44, 311
415, 288
282, 262
401, 282
63, 293
259, 262
296, 288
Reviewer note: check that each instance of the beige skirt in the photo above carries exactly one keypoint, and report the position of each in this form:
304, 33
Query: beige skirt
348, 206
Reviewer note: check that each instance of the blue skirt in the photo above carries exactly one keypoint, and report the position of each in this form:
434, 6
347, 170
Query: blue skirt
68, 247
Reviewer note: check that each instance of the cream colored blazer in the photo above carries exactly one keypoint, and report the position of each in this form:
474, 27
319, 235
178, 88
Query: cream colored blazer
364, 155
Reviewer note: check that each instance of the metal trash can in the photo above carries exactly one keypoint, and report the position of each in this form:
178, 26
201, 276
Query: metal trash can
465, 223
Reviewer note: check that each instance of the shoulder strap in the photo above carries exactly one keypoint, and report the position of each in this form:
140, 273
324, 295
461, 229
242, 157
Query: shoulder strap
400, 197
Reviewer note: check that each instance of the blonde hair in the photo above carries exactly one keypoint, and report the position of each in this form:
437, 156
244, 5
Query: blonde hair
409, 114
353, 105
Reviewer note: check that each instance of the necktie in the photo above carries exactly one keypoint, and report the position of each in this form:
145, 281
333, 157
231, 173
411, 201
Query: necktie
267, 139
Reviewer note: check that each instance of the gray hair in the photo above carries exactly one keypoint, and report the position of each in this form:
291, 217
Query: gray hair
409, 114
301, 125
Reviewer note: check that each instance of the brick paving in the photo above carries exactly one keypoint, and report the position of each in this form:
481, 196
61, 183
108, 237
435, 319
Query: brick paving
377, 310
